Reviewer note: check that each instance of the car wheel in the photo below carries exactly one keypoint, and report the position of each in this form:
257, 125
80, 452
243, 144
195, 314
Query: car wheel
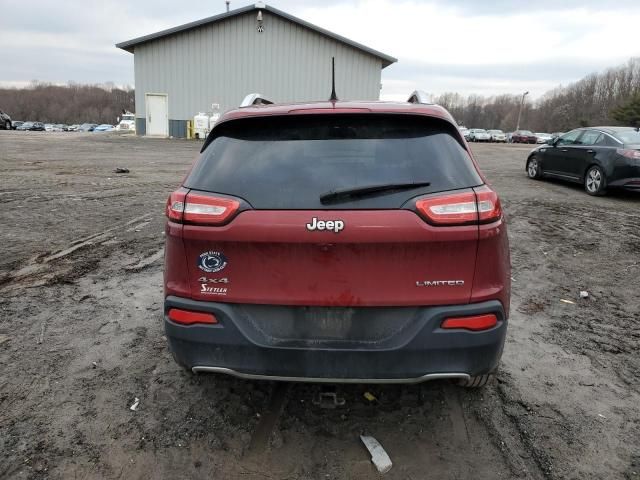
477, 381
533, 168
594, 181
7, 125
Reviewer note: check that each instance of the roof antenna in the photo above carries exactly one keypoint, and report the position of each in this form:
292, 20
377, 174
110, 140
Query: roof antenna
334, 97
227, 2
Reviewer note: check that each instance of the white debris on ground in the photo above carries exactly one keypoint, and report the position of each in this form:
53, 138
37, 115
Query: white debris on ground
378, 455
135, 404
584, 294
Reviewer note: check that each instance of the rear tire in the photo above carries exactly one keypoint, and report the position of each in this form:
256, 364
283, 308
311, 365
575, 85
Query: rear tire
533, 168
478, 381
7, 125
595, 182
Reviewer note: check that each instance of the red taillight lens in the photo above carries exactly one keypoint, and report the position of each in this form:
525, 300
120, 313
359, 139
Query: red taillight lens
187, 317
175, 205
200, 208
450, 209
209, 209
633, 154
465, 208
474, 323
489, 208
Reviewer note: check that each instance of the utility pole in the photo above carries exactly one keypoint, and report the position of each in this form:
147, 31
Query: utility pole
520, 111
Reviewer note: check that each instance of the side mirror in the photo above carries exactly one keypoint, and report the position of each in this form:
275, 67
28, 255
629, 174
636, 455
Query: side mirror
551, 141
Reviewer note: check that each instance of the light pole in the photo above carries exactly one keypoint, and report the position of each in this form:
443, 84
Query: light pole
520, 111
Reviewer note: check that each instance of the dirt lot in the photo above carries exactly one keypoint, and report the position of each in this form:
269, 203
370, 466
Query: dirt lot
81, 337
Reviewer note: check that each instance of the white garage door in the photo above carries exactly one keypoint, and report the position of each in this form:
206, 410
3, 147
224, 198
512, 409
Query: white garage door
157, 115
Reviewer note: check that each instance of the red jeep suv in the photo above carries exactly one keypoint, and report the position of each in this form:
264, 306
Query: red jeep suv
337, 242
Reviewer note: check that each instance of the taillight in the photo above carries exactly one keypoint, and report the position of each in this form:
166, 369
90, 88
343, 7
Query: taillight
489, 208
463, 208
209, 209
625, 152
474, 323
449, 209
187, 317
200, 208
175, 205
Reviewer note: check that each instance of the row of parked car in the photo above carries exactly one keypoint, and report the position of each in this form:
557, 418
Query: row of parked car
498, 136
60, 127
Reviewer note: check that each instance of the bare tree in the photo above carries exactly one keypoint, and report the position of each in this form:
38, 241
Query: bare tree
72, 103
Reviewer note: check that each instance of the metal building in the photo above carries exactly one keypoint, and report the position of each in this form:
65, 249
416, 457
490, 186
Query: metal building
218, 60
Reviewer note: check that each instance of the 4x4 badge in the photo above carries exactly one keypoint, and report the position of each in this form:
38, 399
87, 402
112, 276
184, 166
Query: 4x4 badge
212, 262
315, 224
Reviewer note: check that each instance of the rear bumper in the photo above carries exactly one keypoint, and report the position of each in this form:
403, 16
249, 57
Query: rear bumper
417, 350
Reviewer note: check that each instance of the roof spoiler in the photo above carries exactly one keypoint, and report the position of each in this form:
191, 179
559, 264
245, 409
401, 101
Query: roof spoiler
419, 96
254, 99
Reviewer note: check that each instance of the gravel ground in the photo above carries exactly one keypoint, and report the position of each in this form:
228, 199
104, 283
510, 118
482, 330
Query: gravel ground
81, 337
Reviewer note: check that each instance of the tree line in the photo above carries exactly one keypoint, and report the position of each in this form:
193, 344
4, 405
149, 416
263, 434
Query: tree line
611, 97
71, 103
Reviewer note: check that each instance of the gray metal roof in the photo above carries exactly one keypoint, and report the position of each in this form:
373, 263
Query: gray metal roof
129, 45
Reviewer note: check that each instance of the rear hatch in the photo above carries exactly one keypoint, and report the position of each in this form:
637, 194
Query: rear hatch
279, 210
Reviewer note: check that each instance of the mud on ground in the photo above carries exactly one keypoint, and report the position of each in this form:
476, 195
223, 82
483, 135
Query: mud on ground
81, 337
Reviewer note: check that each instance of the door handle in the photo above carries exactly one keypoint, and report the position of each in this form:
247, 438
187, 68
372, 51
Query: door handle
590, 151
564, 150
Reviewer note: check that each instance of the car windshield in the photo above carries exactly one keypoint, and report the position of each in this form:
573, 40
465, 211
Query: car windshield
290, 162
480, 130
525, 132
628, 136
496, 131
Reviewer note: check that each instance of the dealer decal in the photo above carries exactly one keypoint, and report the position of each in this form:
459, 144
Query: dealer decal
209, 290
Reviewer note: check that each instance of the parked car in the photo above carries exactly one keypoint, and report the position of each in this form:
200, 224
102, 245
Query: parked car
25, 126
87, 127
5, 120
37, 127
465, 132
479, 135
598, 157
543, 137
48, 127
385, 259
104, 128
497, 136
15, 124
72, 128
523, 136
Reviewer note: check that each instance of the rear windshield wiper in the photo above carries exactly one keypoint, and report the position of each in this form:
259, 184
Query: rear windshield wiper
358, 192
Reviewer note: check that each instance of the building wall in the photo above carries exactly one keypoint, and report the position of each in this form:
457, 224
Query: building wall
223, 62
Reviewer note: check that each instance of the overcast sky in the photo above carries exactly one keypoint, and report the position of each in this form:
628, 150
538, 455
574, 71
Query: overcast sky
466, 46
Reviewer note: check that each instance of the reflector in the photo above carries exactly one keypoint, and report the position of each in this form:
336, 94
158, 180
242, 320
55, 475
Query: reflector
186, 317
476, 322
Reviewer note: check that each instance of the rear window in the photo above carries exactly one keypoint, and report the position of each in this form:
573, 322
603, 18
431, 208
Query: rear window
628, 136
289, 162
